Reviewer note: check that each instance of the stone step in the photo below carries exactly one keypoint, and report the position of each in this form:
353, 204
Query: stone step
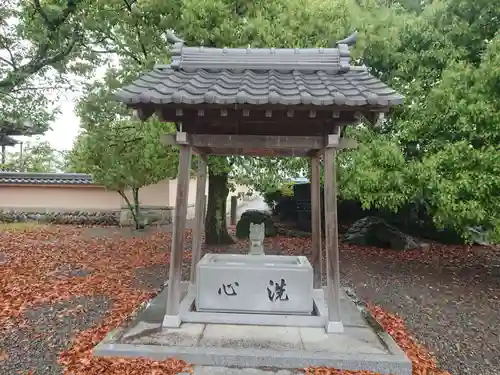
213, 370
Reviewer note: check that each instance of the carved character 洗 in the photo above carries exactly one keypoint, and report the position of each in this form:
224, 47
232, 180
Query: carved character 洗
279, 292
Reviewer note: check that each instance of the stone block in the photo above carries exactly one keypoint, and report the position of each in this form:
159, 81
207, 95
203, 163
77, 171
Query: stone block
256, 237
188, 334
354, 339
269, 284
140, 329
247, 336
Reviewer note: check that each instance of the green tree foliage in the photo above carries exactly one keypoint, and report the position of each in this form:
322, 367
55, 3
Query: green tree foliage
36, 156
124, 156
442, 147
465, 189
121, 153
442, 55
39, 41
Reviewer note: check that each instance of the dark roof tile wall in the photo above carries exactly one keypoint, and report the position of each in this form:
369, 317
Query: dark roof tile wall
17, 178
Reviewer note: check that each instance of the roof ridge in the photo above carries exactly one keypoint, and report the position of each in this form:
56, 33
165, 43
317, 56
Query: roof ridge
335, 59
36, 178
45, 174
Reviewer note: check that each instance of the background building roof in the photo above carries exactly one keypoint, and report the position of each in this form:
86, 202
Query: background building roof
16, 178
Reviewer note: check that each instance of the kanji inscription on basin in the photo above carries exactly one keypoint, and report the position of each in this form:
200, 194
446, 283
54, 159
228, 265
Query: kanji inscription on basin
268, 284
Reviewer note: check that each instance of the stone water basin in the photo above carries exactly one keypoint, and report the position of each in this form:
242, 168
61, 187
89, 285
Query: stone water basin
265, 284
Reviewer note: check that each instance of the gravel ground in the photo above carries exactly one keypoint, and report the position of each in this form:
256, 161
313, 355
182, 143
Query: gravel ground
451, 309
453, 312
33, 349
152, 278
454, 315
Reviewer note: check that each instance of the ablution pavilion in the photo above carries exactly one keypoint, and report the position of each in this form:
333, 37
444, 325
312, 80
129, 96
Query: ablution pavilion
259, 310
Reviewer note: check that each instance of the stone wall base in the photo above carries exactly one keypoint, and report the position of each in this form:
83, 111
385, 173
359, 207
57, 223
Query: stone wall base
159, 215
150, 215
61, 217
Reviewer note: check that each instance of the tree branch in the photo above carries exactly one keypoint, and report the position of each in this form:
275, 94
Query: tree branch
53, 25
137, 30
116, 51
4, 45
34, 88
9, 63
41, 59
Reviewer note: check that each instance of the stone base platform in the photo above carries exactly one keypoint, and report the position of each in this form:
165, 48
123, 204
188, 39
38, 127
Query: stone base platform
362, 346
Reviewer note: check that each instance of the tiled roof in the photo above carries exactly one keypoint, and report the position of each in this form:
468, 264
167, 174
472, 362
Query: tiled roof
16, 178
6, 140
292, 76
166, 85
24, 128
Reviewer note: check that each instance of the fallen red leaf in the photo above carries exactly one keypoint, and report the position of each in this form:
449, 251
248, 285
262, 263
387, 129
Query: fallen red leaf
31, 277
3, 355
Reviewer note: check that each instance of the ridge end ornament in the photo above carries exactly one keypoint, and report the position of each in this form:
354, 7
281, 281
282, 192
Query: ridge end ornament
350, 40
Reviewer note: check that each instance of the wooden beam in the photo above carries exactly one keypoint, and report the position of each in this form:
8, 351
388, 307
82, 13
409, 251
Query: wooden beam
172, 318
334, 323
254, 141
230, 141
270, 152
221, 147
199, 214
344, 144
317, 253
273, 107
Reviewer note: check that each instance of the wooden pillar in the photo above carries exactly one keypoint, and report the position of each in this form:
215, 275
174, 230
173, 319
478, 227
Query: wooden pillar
199, 214
205, 204
334, 323
234, 205
317, 253
172, 318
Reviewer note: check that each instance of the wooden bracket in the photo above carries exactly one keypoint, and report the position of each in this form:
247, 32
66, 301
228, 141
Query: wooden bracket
333, 140
181, 138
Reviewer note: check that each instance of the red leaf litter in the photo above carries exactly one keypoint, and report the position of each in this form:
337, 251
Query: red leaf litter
423, 363
30, 261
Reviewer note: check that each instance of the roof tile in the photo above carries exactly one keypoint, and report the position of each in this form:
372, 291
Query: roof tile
192, 59
17, 178
165, 85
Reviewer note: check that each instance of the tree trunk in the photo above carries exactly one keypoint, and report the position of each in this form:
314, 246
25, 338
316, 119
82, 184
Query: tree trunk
133, 208
216, 220
137, 208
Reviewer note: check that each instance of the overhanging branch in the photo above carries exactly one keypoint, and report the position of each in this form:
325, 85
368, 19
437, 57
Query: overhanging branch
42, 57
